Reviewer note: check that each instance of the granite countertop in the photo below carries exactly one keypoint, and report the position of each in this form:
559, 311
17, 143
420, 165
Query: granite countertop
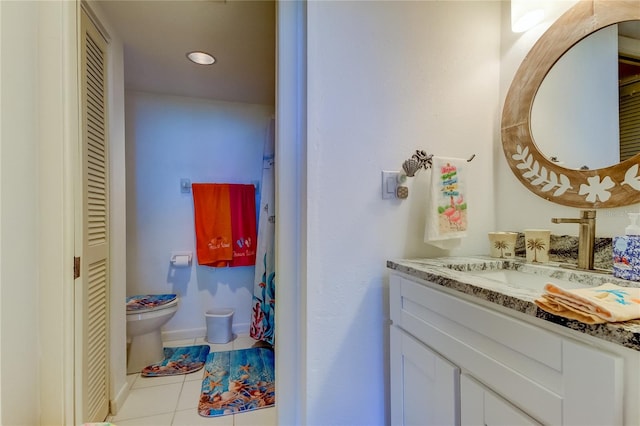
454, 273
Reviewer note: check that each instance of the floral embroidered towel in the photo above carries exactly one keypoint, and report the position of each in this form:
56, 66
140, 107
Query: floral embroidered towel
242, 200
605, 303
447, 216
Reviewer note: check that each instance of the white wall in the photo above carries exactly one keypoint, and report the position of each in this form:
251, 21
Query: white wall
19, 214
516, 207
169, 138
384, 79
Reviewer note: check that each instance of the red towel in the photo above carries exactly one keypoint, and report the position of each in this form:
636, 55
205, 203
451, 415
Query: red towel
213, 224
242, 199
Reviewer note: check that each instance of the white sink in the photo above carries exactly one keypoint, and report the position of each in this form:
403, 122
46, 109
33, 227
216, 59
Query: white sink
525, 279
517, 273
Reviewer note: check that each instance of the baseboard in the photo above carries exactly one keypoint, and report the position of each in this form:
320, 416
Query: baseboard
184, 334
240, 329
121, 397
194, 333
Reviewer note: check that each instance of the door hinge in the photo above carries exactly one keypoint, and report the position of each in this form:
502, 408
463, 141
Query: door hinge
76, 267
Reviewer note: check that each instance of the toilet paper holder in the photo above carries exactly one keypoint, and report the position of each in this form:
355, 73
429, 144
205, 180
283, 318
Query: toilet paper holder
181, 258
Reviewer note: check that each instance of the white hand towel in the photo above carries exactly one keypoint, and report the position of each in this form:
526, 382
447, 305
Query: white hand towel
447, 215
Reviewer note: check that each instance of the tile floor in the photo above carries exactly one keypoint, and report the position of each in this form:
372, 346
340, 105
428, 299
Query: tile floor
173, 400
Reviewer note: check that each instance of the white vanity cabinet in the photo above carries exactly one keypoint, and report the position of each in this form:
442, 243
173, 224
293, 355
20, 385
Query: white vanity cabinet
480, 406
423, 384
458, 362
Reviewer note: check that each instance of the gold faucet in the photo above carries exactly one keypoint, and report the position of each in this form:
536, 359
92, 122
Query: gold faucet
586, 237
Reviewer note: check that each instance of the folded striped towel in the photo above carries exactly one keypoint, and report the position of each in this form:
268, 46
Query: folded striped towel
605, 303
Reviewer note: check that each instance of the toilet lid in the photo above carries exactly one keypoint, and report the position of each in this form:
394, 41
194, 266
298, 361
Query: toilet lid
148, 301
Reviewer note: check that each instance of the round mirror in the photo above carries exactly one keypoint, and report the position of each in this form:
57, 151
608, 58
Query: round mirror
584, 117
540, 165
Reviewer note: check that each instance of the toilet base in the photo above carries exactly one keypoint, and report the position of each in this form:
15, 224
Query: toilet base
145, 349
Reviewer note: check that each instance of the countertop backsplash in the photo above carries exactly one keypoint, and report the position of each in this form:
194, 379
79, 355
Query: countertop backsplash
564, 248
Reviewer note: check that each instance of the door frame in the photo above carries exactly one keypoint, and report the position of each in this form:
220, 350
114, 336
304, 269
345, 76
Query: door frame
59, 137
291, 218
291, 191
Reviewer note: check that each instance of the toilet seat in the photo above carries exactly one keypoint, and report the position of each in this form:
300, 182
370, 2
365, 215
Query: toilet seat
146, 315
150, 302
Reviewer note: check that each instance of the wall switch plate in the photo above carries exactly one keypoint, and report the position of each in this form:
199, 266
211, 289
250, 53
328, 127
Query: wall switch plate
389, 184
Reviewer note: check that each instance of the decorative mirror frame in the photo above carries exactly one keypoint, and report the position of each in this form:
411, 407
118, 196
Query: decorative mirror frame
614, 186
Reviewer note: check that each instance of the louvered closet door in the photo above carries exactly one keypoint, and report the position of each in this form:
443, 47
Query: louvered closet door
629, 120
95, 261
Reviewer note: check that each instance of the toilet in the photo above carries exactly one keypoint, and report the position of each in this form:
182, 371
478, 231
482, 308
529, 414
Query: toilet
146, 314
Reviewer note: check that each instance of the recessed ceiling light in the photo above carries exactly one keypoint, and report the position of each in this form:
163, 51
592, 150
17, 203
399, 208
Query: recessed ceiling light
201, 58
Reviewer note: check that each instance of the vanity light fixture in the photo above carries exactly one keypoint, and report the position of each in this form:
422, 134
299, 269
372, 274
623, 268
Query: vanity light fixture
201, 58
525, 14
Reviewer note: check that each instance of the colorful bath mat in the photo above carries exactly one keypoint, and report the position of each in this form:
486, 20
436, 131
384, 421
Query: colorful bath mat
181, 360
237, 381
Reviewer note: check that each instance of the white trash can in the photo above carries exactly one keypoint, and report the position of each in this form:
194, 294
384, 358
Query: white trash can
219, 323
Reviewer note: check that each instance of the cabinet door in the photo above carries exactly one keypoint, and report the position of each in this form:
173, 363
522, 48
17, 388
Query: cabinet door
480, 406
424, 386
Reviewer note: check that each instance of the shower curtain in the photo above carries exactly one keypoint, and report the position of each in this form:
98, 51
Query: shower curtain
262, 317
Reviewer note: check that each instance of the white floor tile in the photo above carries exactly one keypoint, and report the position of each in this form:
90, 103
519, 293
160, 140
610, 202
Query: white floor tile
196, 375
145, 382
160, 420
192, 418
173, 400
215, 347
261, 417
190, 395
150, 401
243, 342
